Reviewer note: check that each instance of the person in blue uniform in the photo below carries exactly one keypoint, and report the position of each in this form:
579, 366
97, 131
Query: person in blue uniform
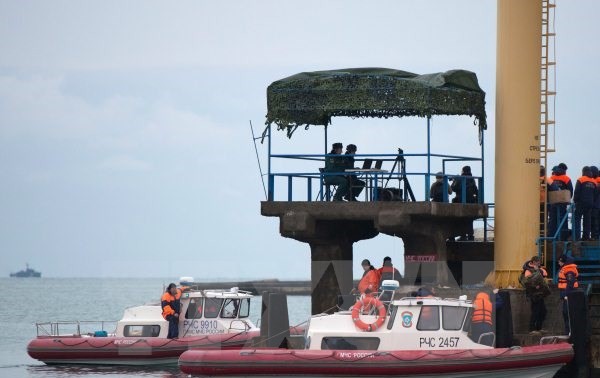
596, 208
436, 192
171, 308
567, 283
584, 198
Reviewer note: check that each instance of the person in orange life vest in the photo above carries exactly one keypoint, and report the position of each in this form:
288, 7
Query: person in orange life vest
388, 272
584, 198
536, 289
481, 321
369, 282
596, 208
171, 307
559, 181
567, 283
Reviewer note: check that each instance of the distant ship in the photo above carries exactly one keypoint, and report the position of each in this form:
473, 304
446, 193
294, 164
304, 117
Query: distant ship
28, 272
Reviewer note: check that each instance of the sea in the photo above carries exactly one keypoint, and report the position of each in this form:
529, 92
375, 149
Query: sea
30, 300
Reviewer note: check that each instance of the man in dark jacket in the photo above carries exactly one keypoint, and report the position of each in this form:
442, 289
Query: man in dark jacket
470, 186
567, 283
436, 192
356, 185
584, 198
533, 278
171, 308
471, 196
388, 272
336, 163
596, 208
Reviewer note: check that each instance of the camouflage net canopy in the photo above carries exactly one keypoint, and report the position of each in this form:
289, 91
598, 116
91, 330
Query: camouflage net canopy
312, 98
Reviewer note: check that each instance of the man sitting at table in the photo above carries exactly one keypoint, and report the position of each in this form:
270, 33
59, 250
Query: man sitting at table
336, 164
356, 185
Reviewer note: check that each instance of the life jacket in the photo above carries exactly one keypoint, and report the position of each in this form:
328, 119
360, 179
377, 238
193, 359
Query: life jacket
563, 181
170, 303
528, 270
562, 276
388, 272
369, 283
585, 191
584, 179
483, 309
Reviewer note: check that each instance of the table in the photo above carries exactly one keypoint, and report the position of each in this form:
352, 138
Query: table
372, 177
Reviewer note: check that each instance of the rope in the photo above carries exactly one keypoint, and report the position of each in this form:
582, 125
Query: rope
167, 342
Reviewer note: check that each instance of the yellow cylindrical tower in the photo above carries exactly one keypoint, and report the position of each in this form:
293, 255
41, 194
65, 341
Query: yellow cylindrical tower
517, 136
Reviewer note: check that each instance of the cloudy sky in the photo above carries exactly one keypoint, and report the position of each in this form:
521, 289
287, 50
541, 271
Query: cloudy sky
125, 147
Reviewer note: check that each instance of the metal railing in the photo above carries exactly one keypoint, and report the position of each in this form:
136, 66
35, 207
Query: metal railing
555, 238
73, 328
376, 181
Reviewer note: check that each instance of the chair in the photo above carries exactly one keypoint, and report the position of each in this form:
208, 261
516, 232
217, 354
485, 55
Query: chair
329, 188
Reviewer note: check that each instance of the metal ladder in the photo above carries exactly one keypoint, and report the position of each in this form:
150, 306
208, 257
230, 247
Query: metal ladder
547, 102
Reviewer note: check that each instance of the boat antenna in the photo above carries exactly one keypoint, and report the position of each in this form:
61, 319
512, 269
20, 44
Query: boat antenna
262, 176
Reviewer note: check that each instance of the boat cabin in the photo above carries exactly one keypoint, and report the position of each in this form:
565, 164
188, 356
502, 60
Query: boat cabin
413, 323
203, 312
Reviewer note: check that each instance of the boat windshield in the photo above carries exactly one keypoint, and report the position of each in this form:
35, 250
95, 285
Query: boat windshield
212, 307
194, 310
230, 308
429, 318
453, 317
244, 308
234, 308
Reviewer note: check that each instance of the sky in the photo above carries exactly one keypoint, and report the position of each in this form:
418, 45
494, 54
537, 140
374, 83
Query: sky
125, 146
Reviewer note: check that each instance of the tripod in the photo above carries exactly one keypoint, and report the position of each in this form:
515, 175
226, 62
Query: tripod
400, 162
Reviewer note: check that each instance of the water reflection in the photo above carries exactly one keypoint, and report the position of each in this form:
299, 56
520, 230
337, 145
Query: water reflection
62, 371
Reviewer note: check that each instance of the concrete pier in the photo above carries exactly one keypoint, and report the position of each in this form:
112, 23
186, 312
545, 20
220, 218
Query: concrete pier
331, 228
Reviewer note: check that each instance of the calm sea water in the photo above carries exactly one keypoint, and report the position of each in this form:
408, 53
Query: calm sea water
50, 299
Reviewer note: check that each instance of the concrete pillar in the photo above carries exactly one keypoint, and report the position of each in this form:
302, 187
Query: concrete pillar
517, 136
331, 273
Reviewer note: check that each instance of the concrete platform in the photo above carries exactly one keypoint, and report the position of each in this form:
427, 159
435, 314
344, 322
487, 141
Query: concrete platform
331, 228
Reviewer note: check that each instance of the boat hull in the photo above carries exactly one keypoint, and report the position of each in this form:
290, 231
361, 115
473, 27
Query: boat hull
128, 350
526, 362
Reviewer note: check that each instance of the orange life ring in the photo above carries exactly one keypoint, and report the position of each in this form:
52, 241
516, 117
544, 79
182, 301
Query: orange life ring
365, 302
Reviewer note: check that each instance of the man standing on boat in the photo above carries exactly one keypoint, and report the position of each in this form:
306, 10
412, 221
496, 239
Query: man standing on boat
171, 307
481, 321
369, 284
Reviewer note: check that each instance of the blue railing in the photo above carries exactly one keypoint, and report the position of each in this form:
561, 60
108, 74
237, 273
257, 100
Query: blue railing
311, 173
556, 237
